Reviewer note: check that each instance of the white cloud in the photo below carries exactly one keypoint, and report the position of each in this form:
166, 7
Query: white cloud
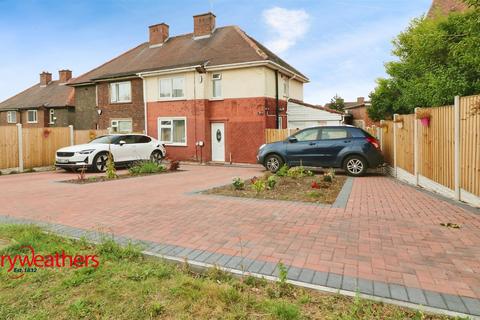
287, 27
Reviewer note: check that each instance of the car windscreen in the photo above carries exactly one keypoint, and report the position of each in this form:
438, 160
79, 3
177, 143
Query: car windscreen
106, 139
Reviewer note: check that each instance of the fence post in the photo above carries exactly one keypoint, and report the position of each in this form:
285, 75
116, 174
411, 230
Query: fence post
457, 159
381, 134
395, 144
20, 146
415, 148
72, 135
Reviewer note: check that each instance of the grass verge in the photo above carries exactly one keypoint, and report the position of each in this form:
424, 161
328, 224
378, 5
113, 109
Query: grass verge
125, 285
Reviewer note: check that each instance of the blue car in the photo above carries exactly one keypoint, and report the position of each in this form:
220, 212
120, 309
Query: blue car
346, 147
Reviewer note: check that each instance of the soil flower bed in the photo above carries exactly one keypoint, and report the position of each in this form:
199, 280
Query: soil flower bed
139, 169
127, 285
305, 187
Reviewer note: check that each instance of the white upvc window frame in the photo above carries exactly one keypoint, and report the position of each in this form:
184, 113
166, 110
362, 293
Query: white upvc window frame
171, 119
35, 112
10, 118
115, 92
217, 78
171, 81
51, 116
115, 123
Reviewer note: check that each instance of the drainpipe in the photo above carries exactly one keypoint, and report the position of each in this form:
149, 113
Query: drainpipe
276, 100
145, 103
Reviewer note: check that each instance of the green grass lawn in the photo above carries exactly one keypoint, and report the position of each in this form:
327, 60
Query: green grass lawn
127, 286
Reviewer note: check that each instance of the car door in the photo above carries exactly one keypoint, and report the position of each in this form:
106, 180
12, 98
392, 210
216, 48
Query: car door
124, 152
332, 140
143, 147
301, 149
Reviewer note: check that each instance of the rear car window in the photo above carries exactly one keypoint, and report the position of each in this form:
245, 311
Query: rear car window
142, 139
359, 133
334, 133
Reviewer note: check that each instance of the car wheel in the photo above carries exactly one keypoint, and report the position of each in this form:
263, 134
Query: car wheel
355, 166
99, 163
156, 156
273, 163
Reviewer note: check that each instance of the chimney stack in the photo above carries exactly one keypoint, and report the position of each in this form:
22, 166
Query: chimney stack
45, 78
361, 100
203, 24
64, 75
158, 33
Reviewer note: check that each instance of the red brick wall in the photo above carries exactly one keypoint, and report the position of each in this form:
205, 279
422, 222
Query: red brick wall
3, 119
42, 119
133, 110
245, 122
360, 113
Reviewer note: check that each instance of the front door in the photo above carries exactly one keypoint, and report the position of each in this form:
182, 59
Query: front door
218, 142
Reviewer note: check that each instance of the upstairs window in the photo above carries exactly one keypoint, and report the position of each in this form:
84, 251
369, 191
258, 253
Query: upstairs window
121, 92
32, 116
12, 117
216, 85
172, 88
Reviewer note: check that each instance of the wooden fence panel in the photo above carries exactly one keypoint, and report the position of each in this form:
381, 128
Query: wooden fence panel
274, 135
8, 147
39, 146
405, 143
85, 136
437, 146
470, 144
387, 141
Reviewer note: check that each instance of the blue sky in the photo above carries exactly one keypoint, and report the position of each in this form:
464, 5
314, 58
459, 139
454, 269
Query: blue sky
341, 45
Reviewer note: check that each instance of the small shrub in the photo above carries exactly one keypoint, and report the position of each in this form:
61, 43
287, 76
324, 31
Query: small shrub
329, 176
309, 173
238, 184
314, 194
111, 171
271, 182
157, 309
284, 310
174, 165
296, 172
282, 172
145, 167
258, 185
315, 185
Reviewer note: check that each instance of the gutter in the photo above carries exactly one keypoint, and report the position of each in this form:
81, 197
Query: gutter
276, 101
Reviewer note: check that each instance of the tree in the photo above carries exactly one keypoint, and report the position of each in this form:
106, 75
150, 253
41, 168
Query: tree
437, 59
337, 103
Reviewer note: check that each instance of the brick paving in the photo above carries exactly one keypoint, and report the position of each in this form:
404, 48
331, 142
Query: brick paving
386, 240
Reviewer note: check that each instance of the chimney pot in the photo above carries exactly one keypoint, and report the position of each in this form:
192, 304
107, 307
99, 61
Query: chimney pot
158, 33
64, 75
45, 78
203, 24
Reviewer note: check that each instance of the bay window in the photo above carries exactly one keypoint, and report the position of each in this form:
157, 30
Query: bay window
173, 131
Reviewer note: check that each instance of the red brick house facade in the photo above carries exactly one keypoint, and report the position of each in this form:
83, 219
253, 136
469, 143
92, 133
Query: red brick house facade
359, 111
208, 95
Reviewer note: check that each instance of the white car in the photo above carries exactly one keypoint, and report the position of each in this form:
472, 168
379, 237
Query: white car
125, 148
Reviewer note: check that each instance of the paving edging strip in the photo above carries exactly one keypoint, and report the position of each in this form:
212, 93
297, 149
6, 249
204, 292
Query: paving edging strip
201, 260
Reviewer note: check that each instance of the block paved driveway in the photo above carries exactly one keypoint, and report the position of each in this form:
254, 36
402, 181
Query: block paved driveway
388, 233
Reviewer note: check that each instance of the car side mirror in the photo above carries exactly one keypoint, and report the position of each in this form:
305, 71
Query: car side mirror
121, 142
292, 139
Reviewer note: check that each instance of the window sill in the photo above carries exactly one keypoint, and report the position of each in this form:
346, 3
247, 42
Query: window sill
174, 144
32, 122
216, 99
170, 99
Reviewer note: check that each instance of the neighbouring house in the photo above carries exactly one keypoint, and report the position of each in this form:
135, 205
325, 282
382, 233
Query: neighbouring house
301, 115
207, 95
49, 103
358, 111
443, 7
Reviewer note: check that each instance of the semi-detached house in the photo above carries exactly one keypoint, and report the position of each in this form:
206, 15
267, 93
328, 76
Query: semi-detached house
208, 95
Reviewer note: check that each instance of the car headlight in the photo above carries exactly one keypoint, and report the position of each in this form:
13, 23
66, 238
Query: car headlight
88, 151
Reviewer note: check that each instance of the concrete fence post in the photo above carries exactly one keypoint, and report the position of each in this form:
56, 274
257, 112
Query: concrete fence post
457, 155
20, 146
416, 169
395, 116
381, 134
72, 135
